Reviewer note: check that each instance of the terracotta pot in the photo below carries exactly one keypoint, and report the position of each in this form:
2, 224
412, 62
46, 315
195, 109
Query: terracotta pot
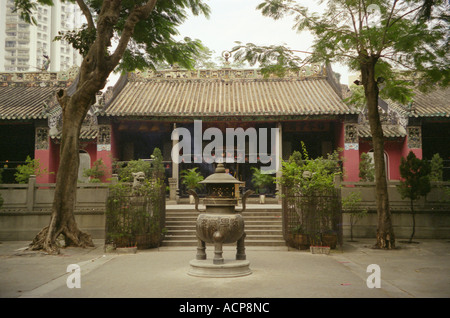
329, 240
300, 241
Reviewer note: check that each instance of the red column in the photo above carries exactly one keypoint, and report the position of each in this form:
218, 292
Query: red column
348, 140
413, 142
44, 151
106, 148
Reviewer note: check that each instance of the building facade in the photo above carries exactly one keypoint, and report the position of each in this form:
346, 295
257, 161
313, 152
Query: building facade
25, 47
144, 109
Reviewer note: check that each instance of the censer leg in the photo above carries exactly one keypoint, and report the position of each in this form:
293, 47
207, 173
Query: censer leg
240, 254
218, 258
201, 247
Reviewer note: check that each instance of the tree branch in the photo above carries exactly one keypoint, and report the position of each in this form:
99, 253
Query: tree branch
87, 13
387, 27
399, 18
138, 14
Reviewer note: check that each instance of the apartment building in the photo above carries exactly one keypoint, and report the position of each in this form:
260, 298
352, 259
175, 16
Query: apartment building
26, 48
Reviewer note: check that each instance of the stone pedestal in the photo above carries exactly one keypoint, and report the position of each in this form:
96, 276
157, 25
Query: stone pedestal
230, 268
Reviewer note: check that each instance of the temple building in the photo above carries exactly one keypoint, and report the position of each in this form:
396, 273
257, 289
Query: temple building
143, 109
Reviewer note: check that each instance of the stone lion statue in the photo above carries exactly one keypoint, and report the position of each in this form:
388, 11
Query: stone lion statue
138, 179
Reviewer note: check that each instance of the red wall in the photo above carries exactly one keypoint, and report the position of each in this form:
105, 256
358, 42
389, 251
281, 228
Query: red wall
393, 150
349, 157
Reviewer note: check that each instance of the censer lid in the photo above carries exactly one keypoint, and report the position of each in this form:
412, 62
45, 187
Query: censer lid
220, 176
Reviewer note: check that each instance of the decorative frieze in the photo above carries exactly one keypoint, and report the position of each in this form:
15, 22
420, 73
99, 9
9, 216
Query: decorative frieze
414, 137
351, 139
104, 138
41, 140
224, 73
41, 79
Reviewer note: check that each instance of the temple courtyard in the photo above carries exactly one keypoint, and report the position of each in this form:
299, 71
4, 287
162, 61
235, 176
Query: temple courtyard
417, 270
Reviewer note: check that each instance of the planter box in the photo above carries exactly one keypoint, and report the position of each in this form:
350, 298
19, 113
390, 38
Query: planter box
126, 250
329, 240
320, 250
300, 241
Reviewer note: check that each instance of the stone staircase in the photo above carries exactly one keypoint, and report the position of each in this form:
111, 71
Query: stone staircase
263, 226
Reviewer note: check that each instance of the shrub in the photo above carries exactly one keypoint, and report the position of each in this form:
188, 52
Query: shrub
97, 171
437, 168
32, 167
366, 168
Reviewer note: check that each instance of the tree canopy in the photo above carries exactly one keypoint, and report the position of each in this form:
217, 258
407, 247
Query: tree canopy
396, 45
409, 50
118, 35
151, 41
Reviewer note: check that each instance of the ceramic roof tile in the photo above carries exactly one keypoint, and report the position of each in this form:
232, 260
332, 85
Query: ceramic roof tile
237, 93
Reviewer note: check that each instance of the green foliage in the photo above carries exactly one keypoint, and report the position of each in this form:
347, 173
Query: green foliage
157, 166
32, 167
153, 40
261, 180
352, 204
405, 48
191, 178
126, 172
366, 168
81, 40
415, 175
274, 60
309, 176
97, 171
131, 214
415, 181
437, 168
153, 169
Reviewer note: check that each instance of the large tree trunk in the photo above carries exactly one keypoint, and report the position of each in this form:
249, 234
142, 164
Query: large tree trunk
385, 233
62, 218
94, 72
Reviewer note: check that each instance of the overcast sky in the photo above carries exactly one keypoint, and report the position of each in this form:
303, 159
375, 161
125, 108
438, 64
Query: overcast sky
238, 20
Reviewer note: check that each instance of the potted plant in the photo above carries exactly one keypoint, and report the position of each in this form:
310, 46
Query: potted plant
317, 246
329, 238
299, 238
191, 179
261, 181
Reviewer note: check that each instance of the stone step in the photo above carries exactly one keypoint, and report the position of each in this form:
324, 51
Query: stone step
262, 226
179, 243
251, 234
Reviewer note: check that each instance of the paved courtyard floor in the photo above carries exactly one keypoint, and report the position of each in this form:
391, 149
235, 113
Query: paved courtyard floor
411, 271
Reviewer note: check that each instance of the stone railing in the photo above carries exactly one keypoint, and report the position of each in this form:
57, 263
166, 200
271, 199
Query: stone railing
437, 200
432, 213
38, 197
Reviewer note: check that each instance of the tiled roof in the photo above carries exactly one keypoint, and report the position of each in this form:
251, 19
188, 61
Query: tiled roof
24, 95
237, 93
21, 102
389, 131
85, 134
435, 103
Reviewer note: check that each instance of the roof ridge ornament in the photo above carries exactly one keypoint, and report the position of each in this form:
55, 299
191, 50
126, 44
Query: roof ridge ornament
226, 55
